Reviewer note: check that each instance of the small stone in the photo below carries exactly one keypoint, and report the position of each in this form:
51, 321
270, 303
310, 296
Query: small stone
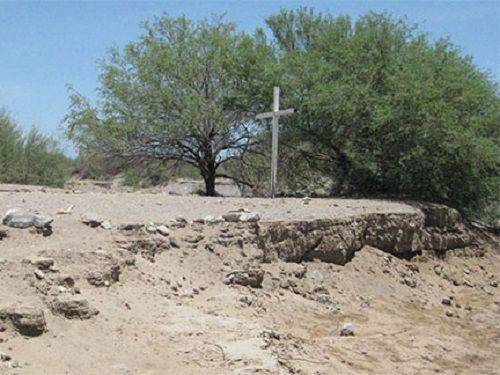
232, 216
66, 281
39, 275
163, 230
174, 242
494, 284
106, 225
42, 263
42, 221
91, 219
449, 313
193, 238
410, 282
250, 217
106, 277
213, 219
252, 278
150, 228
347, 330
4, 357
446, 301
181, 219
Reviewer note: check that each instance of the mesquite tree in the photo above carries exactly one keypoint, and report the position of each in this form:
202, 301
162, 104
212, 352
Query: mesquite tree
185, 91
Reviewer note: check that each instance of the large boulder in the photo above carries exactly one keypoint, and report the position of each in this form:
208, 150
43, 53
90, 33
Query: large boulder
28, 321
22, 218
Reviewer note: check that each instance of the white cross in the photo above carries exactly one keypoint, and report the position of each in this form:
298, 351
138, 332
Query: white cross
275, 115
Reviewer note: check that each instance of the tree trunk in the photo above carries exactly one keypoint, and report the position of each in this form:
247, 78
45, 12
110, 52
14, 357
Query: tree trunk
210, 184
209, 172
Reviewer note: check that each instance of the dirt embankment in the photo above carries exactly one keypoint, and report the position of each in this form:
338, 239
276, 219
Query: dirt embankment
152, 289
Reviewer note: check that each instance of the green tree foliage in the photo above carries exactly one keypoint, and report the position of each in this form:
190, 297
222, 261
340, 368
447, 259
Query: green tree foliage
184, 91
382, 109
30, 159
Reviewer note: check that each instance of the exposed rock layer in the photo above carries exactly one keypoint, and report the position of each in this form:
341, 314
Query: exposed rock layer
432, 227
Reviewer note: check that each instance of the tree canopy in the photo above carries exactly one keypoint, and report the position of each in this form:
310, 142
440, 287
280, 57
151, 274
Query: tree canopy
381, 108
184, 91
385, 110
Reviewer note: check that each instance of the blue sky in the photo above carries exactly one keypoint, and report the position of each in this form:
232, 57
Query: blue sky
46, 45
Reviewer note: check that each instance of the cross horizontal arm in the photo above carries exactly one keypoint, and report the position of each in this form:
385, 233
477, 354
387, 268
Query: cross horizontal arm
283, 112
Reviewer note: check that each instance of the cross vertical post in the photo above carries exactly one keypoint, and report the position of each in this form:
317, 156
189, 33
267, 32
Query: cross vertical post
274, 150
275, 115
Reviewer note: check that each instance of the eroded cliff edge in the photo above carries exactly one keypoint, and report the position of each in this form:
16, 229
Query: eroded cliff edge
430, 227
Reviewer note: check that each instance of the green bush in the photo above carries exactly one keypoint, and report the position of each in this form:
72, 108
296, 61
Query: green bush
32, 158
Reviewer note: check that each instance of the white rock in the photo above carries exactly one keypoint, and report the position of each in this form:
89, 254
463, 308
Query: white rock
250, 217
150, 227
163, 230
213, 219
347, 330
39, 275
106, 224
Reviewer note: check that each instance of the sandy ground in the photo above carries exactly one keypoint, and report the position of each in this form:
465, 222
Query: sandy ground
171, 313
145, 206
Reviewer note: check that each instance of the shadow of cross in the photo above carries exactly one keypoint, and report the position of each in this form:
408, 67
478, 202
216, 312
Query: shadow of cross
275, 115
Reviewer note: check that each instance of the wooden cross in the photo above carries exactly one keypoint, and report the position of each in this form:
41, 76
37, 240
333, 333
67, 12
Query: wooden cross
275, 115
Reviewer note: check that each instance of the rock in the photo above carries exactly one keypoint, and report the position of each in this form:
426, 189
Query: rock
299, 271
42, 263
3, 234
316, 277
232, 216
174, 242
306, 200
4, 357
106, 224
163, 230
72, 307
27, 320
104, 278
347, 330
150, 228
446, 301
66, 281
181, 219
91, 219
449, 313
22, 218
242, 215
252, 278
18, 218
213, 219
39, 275
410, 282
42, 221
251, 217
193, 238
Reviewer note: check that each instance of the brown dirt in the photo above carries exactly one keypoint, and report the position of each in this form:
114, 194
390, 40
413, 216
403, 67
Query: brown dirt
170, 312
